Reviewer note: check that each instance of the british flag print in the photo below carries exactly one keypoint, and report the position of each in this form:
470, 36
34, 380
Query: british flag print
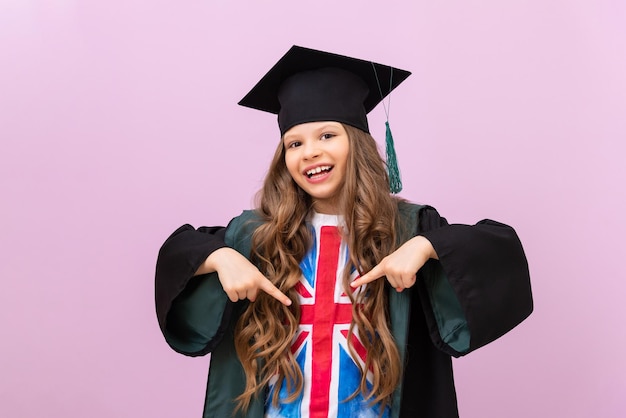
320, 346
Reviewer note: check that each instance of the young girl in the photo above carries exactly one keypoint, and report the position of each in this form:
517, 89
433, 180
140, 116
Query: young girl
333, 297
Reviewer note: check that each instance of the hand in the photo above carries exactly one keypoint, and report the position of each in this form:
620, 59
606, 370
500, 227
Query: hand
402, 265
240, 278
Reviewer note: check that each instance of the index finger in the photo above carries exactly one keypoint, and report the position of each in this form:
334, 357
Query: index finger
374, 274
269, 288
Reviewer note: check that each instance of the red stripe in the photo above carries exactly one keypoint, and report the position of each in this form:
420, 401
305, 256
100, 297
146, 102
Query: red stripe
356, 344
323, 315
323, 323
300, 288
343, 313
299, 340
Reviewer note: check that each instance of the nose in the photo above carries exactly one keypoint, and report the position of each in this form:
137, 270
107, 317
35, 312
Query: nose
311, 150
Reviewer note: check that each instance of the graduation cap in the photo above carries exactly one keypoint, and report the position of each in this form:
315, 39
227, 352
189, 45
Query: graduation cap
307, 85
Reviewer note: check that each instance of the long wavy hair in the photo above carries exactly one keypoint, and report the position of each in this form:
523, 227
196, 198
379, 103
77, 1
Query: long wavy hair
265, 330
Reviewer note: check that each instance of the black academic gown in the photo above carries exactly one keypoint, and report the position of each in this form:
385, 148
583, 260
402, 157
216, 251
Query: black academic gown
485, 269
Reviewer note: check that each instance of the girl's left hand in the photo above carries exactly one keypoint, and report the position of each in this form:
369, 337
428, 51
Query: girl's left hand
402, 265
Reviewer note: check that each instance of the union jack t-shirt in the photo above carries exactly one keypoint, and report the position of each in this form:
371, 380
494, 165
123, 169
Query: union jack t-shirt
320, 346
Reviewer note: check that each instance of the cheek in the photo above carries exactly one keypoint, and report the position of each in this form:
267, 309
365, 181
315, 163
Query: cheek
292, 164
344, 156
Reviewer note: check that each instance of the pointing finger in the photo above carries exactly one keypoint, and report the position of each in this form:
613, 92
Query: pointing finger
273, 291
376, 273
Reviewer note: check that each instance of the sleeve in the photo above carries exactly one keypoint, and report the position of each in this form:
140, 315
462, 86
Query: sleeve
177, 291
480, 287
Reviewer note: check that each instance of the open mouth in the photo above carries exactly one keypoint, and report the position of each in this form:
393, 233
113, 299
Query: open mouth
318, 171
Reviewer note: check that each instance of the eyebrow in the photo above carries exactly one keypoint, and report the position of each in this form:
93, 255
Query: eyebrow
327, 127
317, 131
286, 138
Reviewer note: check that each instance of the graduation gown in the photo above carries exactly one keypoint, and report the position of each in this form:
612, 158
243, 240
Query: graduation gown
478, 290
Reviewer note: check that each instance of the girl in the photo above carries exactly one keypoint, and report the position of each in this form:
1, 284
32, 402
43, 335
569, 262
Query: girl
333, 297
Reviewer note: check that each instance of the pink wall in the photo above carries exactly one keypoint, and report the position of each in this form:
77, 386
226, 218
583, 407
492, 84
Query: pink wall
118, 123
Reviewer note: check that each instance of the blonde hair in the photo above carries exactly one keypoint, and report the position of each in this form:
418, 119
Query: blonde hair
266, 329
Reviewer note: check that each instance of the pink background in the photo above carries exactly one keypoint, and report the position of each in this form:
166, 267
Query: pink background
118, 123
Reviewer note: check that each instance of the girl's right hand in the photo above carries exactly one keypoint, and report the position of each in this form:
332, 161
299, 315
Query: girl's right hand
239, 277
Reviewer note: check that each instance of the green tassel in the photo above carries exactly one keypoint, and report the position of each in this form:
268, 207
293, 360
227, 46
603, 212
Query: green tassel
395, 183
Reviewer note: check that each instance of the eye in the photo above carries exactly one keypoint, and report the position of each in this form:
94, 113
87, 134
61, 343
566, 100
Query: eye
293, 144
327, 136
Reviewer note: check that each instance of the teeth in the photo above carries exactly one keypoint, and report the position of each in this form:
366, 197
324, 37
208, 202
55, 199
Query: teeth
317, 170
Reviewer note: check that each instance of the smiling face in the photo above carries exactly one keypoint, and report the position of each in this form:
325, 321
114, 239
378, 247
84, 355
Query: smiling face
316, 156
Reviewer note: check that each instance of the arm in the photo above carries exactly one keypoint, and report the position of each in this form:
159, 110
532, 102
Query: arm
472, 281
486, 268
199, 281
176, 283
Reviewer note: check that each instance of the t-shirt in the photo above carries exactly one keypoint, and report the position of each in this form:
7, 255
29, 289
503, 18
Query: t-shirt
320, 345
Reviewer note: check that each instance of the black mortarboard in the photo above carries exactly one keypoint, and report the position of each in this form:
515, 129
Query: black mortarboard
307, 85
